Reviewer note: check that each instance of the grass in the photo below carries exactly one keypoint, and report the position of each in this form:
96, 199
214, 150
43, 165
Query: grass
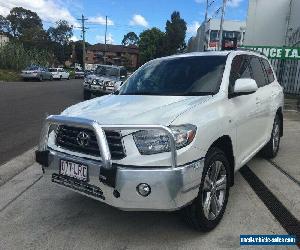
9, 75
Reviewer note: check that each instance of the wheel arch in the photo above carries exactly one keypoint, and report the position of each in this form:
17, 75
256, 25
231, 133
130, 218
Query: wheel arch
224, 143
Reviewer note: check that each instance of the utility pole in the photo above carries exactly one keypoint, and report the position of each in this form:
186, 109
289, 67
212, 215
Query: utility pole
83, 30
221, 24
203, 32
105, 40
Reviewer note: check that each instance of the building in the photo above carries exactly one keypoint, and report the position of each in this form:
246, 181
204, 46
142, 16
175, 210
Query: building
3, 40
271, 22
207, 37
120, 55
273, 28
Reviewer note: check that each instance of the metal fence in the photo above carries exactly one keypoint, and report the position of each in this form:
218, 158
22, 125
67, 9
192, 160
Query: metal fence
288, 71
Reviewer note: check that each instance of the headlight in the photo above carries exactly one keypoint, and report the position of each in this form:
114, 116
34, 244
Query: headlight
156, 141
94, 81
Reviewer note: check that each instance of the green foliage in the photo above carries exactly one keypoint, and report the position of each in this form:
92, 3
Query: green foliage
4, 25
151, 44
78, 51
155, 43
21, 19
130, 39
9, 75
15, 56
175, 34
61, 33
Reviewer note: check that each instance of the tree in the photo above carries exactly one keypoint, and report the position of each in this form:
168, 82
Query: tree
151, 44
4, 25
130, 39
35, 37
61, 33
78, 51
175, 34
21, 19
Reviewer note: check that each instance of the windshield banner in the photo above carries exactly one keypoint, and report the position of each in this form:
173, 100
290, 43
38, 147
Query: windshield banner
283, 53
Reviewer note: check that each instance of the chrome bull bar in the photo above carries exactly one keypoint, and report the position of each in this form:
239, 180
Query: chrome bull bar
100, 135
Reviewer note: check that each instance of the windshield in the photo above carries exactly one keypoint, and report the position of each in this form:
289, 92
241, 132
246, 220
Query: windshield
53, 70
107, 71
197, 75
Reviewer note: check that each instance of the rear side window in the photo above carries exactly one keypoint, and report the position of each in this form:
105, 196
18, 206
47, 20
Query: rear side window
268, 71
239, 69
258, 71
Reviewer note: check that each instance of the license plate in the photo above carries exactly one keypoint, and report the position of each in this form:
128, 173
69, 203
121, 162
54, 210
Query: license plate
74, 170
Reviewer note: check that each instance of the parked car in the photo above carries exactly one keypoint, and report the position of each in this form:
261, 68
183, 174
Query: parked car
106, 80
79, 74
59, 73
36, 72
171, 137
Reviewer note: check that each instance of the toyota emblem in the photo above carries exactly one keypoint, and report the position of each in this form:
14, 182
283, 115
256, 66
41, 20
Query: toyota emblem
83, 139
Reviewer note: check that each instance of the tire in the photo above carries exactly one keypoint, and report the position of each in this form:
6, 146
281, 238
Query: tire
209, 196
86, 95
40, 78
60, 78
68, 78
51, 78
271, 149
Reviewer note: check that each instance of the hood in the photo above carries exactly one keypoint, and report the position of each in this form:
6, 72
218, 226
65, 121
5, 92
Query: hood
131, 109
102, 78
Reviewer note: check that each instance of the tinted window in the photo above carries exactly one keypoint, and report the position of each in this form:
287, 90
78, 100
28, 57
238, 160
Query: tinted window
239, 69
123, 72
257, 71
268, 70
197, 75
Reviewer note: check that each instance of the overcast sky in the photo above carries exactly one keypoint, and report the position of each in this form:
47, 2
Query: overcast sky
123, 15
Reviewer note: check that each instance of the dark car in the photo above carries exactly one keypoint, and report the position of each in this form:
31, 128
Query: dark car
79, 74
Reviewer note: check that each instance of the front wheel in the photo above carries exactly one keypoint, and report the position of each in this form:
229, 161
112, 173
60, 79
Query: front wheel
208, 208
272, 147
86, 95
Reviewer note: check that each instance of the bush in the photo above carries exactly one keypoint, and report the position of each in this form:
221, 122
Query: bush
15, 56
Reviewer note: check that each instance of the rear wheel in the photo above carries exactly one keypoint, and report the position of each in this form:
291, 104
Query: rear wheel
208, 208
40, 78
272, 147
60, 78
86, 94
51, 78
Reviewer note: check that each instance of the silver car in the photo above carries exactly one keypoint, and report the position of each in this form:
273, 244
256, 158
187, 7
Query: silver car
36, 72
105, 80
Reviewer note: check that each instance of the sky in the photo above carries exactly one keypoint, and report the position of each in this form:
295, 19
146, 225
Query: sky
124, 15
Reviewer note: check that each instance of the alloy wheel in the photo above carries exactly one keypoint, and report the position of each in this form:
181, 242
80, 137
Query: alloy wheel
214, 190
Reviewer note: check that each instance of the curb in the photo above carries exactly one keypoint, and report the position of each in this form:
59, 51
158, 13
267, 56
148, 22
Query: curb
15, 166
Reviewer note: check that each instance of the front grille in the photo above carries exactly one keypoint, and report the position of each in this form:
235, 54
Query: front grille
78, 185
67, 138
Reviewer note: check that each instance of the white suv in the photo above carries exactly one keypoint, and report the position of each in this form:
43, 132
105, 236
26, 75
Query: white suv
59, 73
171, 137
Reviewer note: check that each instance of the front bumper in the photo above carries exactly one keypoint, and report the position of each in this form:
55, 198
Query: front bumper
97, 89
30, 76
171, 188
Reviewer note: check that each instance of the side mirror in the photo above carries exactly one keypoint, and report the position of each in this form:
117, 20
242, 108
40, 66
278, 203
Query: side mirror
244, 86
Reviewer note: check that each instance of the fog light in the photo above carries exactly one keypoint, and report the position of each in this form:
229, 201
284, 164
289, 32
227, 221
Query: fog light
143, 189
